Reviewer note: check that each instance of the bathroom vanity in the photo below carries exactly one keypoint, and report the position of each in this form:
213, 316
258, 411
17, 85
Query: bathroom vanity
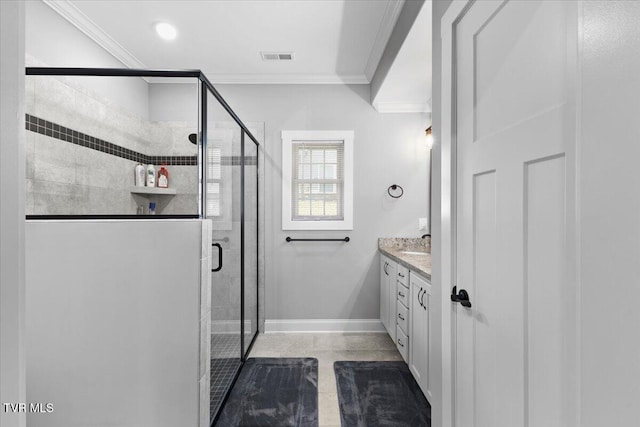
405, 301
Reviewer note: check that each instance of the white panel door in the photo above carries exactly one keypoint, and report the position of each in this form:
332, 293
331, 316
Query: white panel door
515, 206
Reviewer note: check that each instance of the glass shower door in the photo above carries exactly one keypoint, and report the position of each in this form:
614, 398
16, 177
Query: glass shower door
230, 201
222, 204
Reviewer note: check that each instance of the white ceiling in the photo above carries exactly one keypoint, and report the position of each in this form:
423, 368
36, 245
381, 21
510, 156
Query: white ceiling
334, 41
407, 86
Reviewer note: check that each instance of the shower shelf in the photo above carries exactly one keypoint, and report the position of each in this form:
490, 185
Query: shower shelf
154, 191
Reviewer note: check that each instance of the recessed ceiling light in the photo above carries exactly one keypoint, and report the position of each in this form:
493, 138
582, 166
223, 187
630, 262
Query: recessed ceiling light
166, 31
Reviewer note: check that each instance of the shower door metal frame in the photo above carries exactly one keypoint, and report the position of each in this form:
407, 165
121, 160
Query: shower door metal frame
205, 85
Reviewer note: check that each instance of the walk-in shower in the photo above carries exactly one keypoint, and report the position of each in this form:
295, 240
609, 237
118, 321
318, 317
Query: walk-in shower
87, 132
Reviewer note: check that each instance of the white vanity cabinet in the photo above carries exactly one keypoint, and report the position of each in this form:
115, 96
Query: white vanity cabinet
388, 273
419, 332
405, 305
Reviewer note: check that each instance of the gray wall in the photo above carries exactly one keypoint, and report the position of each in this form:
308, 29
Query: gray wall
116, 346
609, 197
336, 280
52, 41
12, 282
175, 101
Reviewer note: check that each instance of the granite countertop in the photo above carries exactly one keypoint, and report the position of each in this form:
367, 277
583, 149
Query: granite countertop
393, 248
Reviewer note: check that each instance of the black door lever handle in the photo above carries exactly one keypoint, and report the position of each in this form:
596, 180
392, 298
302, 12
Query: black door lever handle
462, 297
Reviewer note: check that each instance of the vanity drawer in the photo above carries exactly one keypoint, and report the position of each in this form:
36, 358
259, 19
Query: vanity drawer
402, 293
403, 275
402, 342
403, 317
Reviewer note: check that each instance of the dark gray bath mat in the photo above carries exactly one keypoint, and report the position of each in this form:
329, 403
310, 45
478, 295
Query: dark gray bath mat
380, 394
274, 392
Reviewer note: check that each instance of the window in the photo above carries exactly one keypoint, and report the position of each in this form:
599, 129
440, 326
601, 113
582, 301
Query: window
214, 182
317, 183
219, 179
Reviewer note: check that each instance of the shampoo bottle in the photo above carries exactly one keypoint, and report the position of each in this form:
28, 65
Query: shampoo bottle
139, 175
151, 176
163, 177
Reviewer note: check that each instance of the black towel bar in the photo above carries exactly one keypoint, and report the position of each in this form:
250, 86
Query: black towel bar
345, 239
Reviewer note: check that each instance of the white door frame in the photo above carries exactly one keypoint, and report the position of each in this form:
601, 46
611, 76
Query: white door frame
447, 205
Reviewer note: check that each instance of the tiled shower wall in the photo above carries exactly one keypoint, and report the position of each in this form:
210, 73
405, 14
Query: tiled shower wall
67, 176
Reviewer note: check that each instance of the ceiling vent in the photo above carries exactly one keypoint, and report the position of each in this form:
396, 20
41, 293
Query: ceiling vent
277, 56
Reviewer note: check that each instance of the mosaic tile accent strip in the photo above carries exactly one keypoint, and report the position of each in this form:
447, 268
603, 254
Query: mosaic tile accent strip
54, 130
235, 161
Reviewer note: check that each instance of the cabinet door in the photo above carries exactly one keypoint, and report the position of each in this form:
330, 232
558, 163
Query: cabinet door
419, 332
384, 292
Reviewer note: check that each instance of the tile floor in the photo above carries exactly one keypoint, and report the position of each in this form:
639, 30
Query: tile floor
327, 348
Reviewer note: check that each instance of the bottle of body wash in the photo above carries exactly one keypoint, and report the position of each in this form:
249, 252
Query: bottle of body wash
139, 175
151, 176
163, 177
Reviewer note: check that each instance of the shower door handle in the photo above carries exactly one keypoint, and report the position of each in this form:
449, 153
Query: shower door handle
219, 257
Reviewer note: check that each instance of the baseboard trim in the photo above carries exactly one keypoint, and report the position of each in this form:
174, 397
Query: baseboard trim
228, 326
323, 325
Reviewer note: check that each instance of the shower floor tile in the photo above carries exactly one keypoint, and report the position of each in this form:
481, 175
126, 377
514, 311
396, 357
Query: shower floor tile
222, 373
225, 362
225, 346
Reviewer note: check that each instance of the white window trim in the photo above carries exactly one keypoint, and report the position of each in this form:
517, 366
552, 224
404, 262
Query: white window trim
288, 139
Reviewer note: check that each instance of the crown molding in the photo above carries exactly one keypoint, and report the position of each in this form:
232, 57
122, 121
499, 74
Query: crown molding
275, 79
402, 107
77, 18
389, 19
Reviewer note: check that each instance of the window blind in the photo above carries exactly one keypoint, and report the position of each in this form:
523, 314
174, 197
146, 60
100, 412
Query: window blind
318, 181
214, 181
